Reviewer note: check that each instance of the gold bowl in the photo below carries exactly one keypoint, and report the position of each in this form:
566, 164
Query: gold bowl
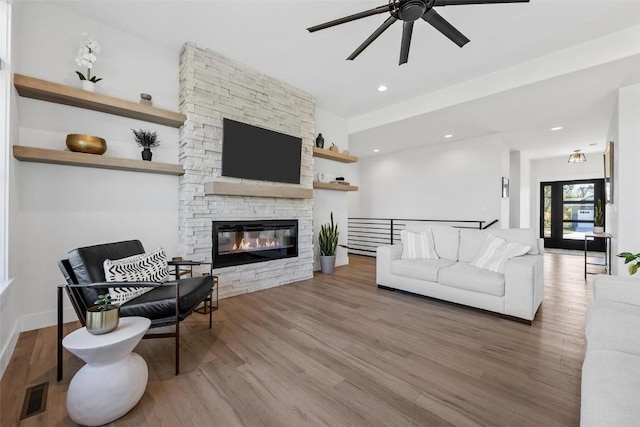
86, 143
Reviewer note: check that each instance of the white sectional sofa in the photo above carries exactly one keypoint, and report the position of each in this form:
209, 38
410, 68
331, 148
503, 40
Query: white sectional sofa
611, 369
516, 292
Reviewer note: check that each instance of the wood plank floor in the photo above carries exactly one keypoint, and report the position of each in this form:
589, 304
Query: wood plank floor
337, 351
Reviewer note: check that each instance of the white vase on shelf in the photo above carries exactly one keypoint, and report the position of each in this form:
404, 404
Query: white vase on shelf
598, 229
88, 85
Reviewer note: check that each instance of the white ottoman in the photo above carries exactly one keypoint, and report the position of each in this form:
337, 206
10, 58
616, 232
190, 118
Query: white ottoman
114, 378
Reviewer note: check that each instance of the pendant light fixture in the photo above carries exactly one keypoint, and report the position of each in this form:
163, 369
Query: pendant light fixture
577, 157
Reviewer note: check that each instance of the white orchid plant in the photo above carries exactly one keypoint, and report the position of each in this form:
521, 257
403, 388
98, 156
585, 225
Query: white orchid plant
87, 56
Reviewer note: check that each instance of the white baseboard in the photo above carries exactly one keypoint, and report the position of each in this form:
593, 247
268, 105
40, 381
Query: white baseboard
45, 319
27, 323
8, 349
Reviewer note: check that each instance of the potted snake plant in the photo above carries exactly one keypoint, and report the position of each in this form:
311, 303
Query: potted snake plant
598, 218
328, 242
102, 317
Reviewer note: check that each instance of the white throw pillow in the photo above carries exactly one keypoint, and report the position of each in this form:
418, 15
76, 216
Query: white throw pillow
495, 253
148, 267
418, 245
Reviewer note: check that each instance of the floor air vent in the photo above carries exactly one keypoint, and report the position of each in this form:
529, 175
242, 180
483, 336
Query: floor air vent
35, 400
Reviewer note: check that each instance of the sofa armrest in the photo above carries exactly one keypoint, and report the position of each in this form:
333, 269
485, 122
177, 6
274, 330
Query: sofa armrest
384, 255
524, 286
617, 288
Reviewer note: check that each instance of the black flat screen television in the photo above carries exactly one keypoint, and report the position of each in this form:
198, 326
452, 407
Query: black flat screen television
256, 153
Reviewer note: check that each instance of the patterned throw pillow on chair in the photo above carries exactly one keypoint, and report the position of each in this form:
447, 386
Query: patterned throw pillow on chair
148, 267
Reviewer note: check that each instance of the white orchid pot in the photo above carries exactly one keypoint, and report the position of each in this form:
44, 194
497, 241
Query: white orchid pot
88, 85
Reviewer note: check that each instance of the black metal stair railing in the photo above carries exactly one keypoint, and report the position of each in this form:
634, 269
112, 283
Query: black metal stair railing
366, 234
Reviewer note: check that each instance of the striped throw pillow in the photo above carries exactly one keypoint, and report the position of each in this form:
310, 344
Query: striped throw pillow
418, 245
148, 267
495, 253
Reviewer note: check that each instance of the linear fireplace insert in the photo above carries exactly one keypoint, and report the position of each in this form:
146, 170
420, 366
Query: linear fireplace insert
246, 242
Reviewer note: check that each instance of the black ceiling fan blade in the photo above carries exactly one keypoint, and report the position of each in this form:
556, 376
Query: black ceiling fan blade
386, 24
442, 25
407, 30
464, 2
355, 16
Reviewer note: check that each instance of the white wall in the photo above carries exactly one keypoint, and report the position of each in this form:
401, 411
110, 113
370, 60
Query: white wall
611, 209
9, 309
334, 130
525, 190
514, 198
459, 180
627, 155
558, 169
57, 208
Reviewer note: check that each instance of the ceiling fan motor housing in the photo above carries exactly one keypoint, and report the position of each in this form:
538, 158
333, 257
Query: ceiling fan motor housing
408, 10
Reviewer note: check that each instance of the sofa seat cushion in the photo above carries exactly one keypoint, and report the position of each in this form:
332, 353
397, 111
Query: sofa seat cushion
159, 303
463, 276
421, 269
610, 389
612, 325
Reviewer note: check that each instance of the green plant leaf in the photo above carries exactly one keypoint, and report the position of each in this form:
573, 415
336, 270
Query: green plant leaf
624, 254
80, 75
95, 80
633, 269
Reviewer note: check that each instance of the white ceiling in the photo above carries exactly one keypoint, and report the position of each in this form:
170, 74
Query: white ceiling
270, 36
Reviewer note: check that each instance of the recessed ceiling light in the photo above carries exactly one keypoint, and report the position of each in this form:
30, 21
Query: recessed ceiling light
593, 144
382, 88
375, 150
557, 128
448, 136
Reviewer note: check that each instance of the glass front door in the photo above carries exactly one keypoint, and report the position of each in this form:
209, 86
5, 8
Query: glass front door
567, 213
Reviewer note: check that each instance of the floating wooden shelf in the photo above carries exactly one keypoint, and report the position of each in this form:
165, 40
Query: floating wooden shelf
31, 87
222, 188
333, 155
336, 187
70, 158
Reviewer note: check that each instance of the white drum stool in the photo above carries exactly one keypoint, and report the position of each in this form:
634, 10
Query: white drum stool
114, 379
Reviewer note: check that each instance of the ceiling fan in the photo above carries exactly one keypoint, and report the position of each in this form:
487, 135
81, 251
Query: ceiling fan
410, 11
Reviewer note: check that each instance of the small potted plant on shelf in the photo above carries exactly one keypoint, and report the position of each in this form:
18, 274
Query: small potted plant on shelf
328, 242
102, 317
632, 259
598, 218
147, 140
85, 58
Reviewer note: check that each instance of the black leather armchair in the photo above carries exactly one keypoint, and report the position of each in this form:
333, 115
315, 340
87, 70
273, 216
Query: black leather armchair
166, 304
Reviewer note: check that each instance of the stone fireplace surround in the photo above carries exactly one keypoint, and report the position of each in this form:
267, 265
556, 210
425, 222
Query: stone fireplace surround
213, 87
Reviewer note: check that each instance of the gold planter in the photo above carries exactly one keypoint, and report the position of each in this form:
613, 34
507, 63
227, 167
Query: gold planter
102, 322
86, 144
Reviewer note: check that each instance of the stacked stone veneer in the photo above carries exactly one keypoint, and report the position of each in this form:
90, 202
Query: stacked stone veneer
213, 87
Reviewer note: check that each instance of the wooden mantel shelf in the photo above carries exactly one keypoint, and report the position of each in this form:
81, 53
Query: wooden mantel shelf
334, 155
30, 87
59, 157
337, 187
222, 188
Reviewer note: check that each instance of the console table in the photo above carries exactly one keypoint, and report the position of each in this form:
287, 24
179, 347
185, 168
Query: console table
604, 261
114, 379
